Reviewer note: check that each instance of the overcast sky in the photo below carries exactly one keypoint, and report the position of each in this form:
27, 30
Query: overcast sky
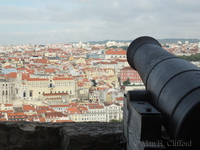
54, 21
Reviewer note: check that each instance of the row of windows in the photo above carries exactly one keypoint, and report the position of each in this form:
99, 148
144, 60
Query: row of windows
118, 56
31, 93
89, 115
101, 118
4, 101
5, 92
41, 86
46, 83
113, 107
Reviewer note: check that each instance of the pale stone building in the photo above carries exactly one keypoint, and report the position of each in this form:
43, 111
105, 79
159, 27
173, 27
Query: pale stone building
44, 88
87, 113
95, 112
6, 91
113, 111
115, 54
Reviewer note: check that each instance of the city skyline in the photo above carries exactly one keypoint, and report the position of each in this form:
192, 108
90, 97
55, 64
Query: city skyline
44, 22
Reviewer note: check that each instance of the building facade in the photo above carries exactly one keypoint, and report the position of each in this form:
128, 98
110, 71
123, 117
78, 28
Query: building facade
46, 89
115, 54
6, 91
129, 73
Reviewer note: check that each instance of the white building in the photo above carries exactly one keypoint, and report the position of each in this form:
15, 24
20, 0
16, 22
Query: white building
113, 111
95, 112
115, 54
6, 91
35, 88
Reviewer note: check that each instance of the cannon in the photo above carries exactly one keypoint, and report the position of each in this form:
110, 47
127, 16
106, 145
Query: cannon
166, 115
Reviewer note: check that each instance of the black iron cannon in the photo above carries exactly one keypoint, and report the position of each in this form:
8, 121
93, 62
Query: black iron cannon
171, 101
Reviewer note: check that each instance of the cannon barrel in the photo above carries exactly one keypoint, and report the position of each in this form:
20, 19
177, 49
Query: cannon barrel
174, 86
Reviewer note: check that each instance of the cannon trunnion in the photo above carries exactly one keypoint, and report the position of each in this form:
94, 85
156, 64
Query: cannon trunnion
171, 99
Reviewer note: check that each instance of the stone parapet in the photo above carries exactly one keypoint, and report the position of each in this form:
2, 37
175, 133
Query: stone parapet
60, 136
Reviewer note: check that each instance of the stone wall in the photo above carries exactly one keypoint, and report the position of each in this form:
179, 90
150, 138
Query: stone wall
60, 136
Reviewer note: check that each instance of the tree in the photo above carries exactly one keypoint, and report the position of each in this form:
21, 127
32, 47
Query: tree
116, 121
94, 83
194, 57
127, 82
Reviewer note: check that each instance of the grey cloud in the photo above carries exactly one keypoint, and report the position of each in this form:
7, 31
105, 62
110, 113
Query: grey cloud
101, 19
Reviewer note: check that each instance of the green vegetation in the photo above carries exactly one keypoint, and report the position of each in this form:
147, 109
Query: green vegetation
94, 83
123, 47
116, 121
194, 57
127, 82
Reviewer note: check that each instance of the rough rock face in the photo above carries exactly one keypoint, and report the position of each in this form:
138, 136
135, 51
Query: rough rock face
60, 136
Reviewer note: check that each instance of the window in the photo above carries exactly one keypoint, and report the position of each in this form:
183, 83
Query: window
31, 93
24, 94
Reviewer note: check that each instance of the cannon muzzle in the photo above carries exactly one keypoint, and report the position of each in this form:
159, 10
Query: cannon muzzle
174, 87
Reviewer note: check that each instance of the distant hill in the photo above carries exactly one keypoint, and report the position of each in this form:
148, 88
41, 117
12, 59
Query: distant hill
173, 40
105, 41
163, 41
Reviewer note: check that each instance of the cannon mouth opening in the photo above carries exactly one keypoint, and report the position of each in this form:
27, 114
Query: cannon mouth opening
136, 44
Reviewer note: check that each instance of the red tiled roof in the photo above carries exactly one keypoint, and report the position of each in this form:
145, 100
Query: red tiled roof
28, 107
121, 60
115, 52
54, 50
113, 62
8, 105
36, 79
57, 78
85, 80
119, 98
54, 114
7, 67
42, 111
48, 70
127, 68
25, 76
42, 119
54, 94
94, 106
3, 119
6, 111
73, 110
16, 59
59, 105
64, 121
80, 84
43, 61
110, 103
16, 114
101, 88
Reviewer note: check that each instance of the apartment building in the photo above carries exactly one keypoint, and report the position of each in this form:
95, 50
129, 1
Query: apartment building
103, 112
128, 72
114, 111
115, 54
